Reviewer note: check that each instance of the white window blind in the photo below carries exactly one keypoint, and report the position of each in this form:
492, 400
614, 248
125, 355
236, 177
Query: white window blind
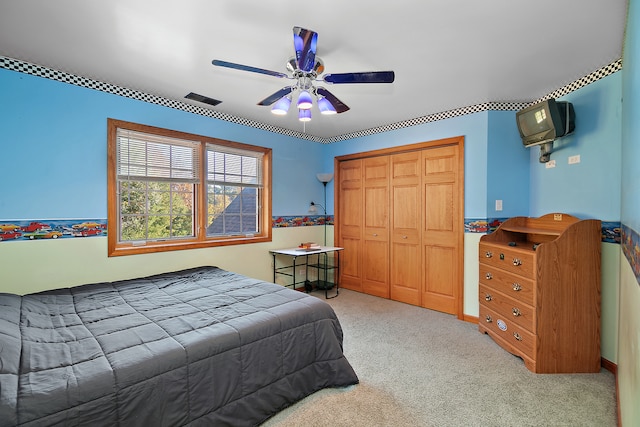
234, 188
228, 165
147, 157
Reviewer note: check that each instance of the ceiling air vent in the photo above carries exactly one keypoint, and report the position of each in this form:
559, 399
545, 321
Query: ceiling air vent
202, 98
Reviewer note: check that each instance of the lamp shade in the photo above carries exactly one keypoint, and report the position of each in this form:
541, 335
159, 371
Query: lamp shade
304, 101
281, 107
304, 115
326, 107
324, 177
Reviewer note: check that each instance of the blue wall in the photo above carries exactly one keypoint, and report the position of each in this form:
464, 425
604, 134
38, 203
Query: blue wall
54, 149
631, 122
629, 330
55, 134
507, 167
474, 129
591, 188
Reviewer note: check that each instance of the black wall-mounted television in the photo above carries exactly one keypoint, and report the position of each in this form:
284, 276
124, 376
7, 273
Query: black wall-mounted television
545, 121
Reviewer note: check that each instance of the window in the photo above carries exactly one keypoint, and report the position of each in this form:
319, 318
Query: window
170, 190
233, 180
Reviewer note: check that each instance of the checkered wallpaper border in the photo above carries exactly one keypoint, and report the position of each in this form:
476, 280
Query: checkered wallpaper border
40, 71
585, 81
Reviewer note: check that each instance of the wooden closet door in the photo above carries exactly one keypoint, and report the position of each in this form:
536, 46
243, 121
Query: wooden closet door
443, 225
406, 209
350, 224
375, 248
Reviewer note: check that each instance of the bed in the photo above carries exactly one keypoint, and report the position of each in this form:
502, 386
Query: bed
202, 346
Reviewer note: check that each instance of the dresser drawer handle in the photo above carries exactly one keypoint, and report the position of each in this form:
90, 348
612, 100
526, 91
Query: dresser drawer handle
517, 287
488, 254
404, 237
375, 234
516, 312
488, 276
488, 297
488, 319
517, 262
517, 336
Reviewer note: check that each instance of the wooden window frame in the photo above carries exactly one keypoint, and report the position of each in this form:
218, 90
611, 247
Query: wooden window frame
200, 240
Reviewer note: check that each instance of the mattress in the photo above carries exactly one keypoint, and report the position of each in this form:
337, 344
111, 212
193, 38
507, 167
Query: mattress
201, 346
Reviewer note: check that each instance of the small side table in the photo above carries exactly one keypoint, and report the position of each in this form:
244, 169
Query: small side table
316, 258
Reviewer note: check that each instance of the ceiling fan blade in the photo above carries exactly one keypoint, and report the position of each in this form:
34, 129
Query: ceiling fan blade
337, 104
276, 95
235, 66
366, 77
305, 43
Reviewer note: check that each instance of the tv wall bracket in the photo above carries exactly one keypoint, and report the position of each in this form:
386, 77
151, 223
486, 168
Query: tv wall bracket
545, 151
546, 147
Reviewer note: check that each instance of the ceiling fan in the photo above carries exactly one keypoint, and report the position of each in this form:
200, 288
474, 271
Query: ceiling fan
305, 67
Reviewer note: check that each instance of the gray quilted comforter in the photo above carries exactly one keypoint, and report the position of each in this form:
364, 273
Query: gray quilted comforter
196, 347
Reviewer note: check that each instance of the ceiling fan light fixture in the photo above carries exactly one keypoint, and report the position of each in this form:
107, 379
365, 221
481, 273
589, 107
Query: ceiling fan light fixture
304, 115
326, 107
281, 107
304, 101
304, 68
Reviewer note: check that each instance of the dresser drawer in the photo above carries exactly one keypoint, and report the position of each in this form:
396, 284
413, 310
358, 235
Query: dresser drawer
508, 283
508, 308
517, 339
518, 261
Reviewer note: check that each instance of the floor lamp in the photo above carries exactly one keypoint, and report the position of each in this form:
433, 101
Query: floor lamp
324, 178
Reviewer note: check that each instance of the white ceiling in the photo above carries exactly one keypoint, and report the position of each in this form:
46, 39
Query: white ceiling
446, 54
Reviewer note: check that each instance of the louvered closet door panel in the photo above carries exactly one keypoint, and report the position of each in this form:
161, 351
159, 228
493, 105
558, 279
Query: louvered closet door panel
350, 224
442, 225
376, 226
406, 203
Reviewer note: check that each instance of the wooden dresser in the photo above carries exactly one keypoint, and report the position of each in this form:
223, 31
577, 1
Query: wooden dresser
540, 291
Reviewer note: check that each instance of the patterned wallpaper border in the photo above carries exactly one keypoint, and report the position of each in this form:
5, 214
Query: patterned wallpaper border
59, 228
45, 229
300, 221
631, 249
610, 229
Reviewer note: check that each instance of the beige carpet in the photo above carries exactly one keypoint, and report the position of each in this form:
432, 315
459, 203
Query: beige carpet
359, 406
418, 367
